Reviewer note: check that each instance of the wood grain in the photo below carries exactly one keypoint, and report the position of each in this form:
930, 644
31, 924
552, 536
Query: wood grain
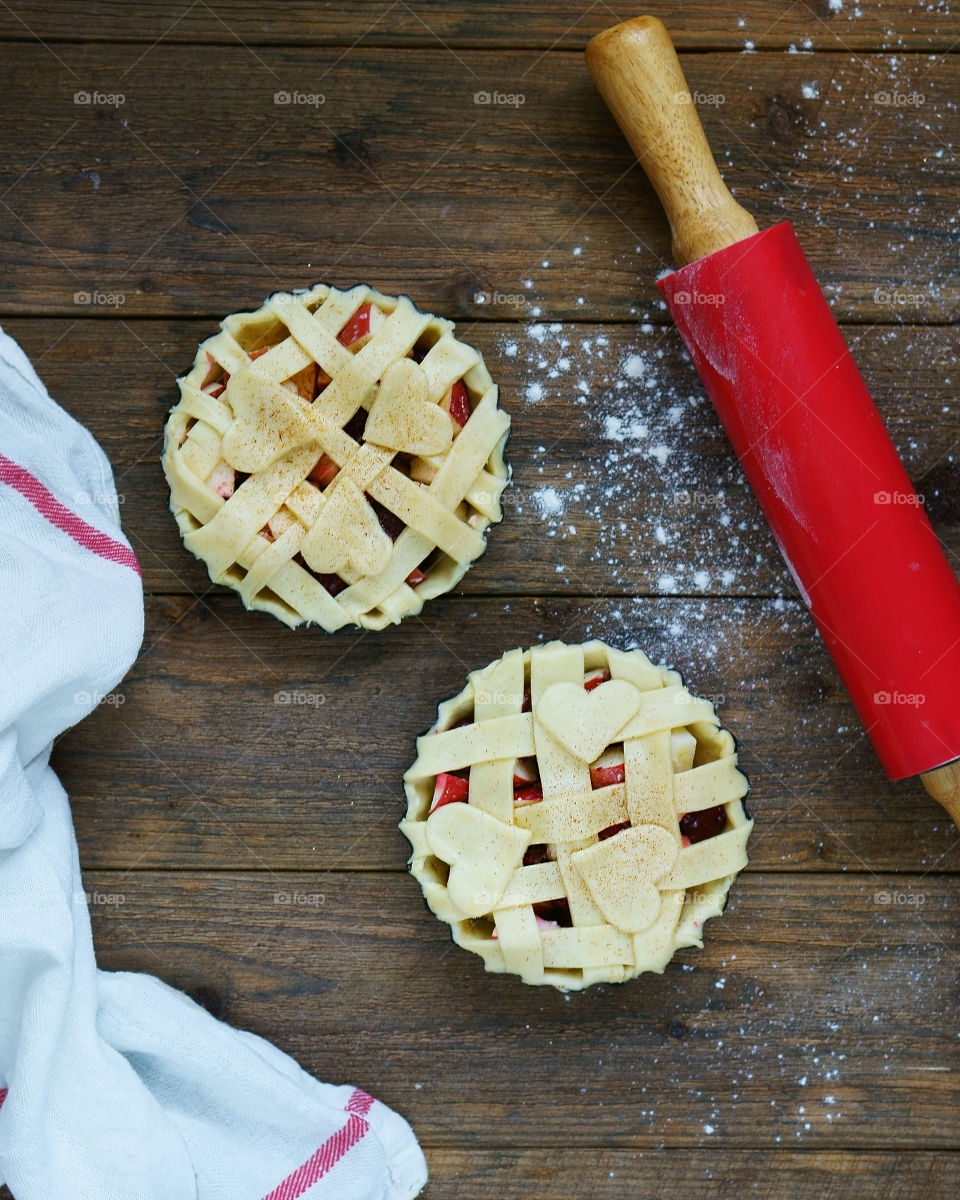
237, 743
704, 1173
810, 1048
707, 1173
190, 209
814, 1004
598, 1174
639, 523
536, 24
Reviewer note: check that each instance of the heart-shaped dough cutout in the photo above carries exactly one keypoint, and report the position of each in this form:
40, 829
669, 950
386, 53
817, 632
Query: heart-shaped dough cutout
482, 853
587, 722
402, 418
622, 872
267, 422
347, 535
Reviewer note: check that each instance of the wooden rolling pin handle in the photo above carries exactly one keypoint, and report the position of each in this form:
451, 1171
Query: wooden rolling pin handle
943, 784
635, 68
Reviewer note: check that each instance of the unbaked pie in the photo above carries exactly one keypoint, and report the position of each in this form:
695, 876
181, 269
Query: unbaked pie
576, 815
336, 457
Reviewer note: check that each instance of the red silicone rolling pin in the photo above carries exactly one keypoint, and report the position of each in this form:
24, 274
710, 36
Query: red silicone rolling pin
852, 529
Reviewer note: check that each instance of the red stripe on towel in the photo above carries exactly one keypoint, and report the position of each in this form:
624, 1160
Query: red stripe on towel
48, 506
330, 1153
3, 1096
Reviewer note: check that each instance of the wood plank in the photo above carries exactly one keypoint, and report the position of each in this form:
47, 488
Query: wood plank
709, 1174
628, 485
599, 1174
815, 1017
235, 743
198, 207
560, 24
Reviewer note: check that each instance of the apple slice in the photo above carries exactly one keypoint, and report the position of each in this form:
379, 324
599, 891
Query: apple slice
594, 678
698, 826
222, 480
253, 354
608, 769
525, 772
361, 327
415, 578
304, 383
325, 471
457, 403
449, 789
422, 470
528, 795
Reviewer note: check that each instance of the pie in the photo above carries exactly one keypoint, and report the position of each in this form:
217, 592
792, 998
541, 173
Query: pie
336, 457
576, 815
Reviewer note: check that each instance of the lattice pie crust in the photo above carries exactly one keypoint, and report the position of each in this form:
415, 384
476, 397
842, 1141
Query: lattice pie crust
336, 457
576, 815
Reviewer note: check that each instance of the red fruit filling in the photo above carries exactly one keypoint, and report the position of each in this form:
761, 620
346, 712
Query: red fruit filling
539, 852
605, 776
333, 583
525, 772
449, 789
415, 578
698, 826
390, 523
593, 679
612, 829
354, 427
528, 795
459, 407
324, 472
555, 910
361, 326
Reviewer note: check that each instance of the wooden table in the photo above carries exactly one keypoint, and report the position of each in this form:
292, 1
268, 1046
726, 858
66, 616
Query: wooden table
155, 183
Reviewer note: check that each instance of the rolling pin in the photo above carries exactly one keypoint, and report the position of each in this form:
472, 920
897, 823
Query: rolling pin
773, 361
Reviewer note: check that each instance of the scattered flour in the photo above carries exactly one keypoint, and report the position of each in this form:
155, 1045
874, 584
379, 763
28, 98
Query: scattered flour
627, 487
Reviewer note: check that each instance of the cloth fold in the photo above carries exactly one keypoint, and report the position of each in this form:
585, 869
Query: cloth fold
114, 1086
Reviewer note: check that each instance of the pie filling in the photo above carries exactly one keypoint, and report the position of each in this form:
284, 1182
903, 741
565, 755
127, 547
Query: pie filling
453, 787
575, 815
309, 384
356, 463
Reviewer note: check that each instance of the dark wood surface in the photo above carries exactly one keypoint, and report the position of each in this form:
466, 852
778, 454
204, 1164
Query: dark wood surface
812, 1047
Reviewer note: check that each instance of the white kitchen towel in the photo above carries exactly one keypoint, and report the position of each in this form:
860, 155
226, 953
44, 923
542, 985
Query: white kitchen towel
114, 1086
